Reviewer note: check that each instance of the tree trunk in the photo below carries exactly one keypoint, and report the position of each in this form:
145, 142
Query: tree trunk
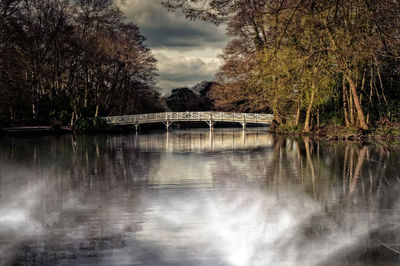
345, 107
74, 116
35, 102
97, 111
351, 108
309, 108
35, 109
360, 113
72, 119
298, 113
12, 117
277, 119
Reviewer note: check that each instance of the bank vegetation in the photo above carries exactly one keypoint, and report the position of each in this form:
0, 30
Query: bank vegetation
312, 63
61, 60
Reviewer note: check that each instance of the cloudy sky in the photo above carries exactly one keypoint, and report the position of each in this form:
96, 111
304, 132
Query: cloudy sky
186, 50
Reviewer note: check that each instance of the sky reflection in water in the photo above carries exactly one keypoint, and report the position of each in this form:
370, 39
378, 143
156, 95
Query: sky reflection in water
196, 198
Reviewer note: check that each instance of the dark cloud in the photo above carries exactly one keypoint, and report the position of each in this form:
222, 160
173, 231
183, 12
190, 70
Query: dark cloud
186, 38
171, 29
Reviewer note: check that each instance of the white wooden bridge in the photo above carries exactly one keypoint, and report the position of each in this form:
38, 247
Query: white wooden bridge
210, 118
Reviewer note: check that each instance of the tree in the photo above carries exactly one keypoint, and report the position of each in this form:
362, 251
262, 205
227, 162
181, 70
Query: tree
307, 54
71, 59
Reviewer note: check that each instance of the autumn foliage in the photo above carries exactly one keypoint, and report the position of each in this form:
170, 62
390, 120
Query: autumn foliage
310, 62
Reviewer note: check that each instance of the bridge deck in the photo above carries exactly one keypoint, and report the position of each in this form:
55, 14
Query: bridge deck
209, 117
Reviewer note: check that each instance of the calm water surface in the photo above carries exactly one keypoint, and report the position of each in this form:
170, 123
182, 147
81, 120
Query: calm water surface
188, 198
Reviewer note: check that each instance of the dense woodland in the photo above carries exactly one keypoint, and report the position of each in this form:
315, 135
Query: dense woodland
310, 62
62, 60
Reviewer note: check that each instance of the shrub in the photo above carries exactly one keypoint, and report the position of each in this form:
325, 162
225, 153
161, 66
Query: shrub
91, 124
56, 125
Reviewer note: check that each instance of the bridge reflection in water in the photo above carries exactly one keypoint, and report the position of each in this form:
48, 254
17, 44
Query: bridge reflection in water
187, 141
96, 199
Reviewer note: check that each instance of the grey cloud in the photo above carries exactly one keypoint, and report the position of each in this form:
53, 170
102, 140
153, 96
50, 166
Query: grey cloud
185, 39
186, 50
185, 81
171, 29
185, 71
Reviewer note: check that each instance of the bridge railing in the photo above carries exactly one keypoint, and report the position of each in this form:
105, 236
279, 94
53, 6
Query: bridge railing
190, 116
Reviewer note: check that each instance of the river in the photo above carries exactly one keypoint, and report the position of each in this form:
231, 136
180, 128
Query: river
194, 197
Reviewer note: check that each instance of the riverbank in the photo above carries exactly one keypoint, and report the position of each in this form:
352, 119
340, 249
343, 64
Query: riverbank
35, 130
385, 135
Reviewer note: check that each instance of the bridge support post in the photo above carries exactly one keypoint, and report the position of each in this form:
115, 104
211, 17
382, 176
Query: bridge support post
167, 124
211, 124
244, 125
137, 127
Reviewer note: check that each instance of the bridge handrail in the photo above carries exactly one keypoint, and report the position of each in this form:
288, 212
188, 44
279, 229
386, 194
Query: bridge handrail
189, 116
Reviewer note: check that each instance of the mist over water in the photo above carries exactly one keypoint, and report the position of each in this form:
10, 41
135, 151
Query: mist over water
197, 198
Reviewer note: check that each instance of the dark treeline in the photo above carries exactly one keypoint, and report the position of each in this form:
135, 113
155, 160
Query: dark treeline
62, 60
310, 62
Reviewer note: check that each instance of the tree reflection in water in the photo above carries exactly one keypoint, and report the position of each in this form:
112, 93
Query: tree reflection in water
196, 198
